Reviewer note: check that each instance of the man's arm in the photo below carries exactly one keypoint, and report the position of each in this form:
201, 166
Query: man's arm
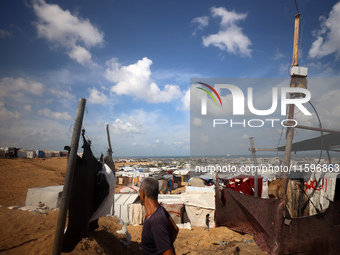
169, 252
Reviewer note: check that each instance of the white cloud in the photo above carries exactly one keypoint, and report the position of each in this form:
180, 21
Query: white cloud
62, 28
321, 69
186, 100
6, 114
200, 22
97, 97
129, 126
62, 94
245, 136
328, 36
278, 55
230, 37
81, 55
135, 80
54, 115
284, 68
27, 107
328, 108
17, 87
4, 33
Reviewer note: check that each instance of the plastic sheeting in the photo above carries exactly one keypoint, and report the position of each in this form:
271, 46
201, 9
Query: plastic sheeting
105, 206
50, 196
136, 214
263, 218
197, 206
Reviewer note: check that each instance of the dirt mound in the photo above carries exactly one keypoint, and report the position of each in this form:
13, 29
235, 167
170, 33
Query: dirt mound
18, 175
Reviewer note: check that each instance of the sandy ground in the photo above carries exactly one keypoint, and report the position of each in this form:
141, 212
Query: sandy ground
24, 232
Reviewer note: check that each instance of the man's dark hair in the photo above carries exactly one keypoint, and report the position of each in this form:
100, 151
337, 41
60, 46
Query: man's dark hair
150, 186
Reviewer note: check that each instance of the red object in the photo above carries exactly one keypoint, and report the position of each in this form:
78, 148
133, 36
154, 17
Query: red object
245, 185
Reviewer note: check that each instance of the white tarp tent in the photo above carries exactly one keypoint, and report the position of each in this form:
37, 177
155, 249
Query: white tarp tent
198, 206
195, 190
50, 196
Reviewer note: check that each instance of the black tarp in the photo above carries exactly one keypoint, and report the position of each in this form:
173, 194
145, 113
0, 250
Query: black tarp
88, 191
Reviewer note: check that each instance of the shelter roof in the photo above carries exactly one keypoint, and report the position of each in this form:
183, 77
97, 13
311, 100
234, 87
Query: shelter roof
324, 142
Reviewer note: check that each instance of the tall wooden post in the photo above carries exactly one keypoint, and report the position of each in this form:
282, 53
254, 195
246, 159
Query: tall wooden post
71, 162
290, 130
109, 139
296, 40
256, 181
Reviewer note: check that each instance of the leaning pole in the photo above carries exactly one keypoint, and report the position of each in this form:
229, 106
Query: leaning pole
71, 162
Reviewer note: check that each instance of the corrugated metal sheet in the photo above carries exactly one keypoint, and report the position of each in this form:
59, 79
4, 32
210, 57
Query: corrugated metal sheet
121, 205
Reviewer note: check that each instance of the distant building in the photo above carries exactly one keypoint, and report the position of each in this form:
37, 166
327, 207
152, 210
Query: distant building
266, 161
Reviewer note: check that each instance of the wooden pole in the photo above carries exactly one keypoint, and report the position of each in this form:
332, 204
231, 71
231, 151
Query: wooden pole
296, 40
317, 129
109, 139
290, 130
255, 163
71, 162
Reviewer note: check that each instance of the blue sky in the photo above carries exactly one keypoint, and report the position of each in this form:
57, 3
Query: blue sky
133, 60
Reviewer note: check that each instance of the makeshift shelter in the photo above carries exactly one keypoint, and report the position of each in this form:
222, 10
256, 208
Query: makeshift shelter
121, 205
124, 180
47, 154
177, 181
324, 142
136, 214
197, 206
30, 154
174, 205
162, 184
183, 174
50, 196
316, 193
40, 153
129, 189
22, 154
196, 190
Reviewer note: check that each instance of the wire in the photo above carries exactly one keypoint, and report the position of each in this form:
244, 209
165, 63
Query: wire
320, 126
297, 9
